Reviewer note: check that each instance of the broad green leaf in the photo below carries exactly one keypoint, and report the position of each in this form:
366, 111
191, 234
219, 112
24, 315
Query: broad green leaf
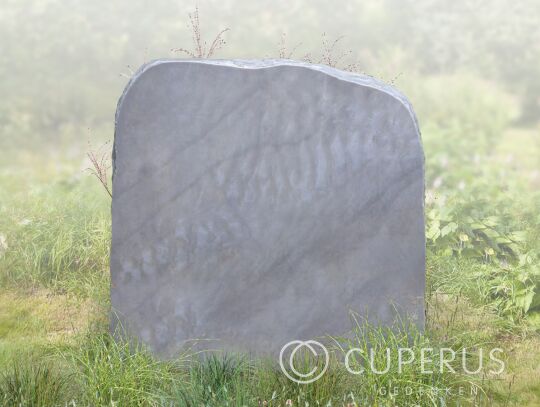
449, 228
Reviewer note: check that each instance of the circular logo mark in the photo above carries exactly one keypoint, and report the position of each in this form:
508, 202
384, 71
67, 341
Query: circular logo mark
296, 346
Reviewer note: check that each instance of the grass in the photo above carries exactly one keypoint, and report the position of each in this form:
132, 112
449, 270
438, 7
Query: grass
40, 317
32, 383
55, 349
92, 369
109, 372
57, 235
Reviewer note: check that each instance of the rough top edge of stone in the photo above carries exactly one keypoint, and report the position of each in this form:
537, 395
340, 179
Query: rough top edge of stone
355, 78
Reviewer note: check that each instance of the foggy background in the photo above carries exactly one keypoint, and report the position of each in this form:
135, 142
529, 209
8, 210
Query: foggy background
471, 68
61, 61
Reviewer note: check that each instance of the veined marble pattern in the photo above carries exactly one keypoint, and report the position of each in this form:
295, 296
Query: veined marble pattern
258, 202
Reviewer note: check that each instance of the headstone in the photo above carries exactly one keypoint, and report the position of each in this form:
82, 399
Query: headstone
260, 202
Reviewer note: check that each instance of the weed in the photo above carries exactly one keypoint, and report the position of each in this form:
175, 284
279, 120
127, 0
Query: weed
200, 47
100, 166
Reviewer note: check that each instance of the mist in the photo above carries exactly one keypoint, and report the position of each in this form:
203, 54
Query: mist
64, 63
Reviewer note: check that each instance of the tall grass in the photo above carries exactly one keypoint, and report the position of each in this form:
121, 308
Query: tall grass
55, 235
378, 349
33, 383
235, 380
101, 371
217, 379
114, 372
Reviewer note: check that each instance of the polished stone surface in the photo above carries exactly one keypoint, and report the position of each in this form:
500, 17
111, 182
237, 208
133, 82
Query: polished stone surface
258, 202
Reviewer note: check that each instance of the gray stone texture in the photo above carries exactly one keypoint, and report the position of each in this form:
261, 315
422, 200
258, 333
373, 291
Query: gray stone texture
258, 202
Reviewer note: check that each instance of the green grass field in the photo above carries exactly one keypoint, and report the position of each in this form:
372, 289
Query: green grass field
55, 348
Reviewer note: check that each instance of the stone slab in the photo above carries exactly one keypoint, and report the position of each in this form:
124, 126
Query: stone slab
259, 202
